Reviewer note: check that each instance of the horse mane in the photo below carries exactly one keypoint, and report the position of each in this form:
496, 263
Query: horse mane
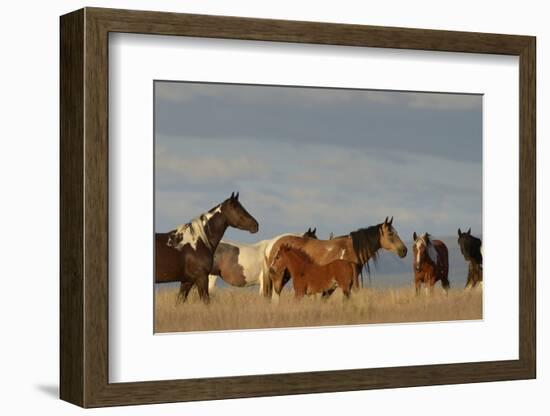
198, 225
366, 243
432, 252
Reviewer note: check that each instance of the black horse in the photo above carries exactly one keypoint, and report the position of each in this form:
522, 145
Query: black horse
470, 247
185, 254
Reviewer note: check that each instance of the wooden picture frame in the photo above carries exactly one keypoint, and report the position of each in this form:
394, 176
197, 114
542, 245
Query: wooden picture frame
84, 207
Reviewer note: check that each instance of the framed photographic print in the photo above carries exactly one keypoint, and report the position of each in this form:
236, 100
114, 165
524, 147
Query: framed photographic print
243, 198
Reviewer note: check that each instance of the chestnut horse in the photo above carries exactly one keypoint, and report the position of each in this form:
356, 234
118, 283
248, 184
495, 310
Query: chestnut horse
430, 263
309, 278
357, 247
244, 265
185, 254
470, 248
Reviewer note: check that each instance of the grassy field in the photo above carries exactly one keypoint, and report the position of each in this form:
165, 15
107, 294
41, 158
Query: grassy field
245, 309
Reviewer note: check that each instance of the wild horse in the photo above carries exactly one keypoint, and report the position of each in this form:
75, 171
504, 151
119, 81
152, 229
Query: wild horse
357, 247
243, 265
185, 254
430, 263
470, 247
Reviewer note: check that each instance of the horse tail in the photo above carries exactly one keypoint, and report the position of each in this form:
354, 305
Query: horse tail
359, 272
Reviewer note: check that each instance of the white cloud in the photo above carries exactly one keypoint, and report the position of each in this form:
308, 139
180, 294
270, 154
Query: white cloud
207, 169
289, 186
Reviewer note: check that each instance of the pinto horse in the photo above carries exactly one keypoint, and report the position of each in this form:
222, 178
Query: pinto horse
309, 278
185, 254
430, 262
470, 247
243, 265
357, 247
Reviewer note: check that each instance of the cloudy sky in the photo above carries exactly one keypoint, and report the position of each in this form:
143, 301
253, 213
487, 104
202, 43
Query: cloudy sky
333, 159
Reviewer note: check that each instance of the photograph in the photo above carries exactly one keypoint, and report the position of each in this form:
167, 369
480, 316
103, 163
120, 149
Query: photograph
297, 206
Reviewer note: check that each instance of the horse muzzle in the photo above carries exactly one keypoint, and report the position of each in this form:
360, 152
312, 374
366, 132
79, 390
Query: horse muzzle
254, 228
402, 252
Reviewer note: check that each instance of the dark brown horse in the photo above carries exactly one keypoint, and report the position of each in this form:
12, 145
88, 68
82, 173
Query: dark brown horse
470, 247
309, 278
357, 247
430, 263
185, 254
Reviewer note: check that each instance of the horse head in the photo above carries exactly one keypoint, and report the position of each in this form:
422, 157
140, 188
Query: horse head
423, 251
311, 233
470, 246
278, 272
237, 216
389, 238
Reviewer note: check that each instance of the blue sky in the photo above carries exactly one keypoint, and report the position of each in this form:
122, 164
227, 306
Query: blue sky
333, 159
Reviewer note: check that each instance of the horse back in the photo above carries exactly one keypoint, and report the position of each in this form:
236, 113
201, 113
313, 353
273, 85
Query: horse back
322, 251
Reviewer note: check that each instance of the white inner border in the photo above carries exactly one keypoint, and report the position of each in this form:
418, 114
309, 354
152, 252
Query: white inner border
135, 354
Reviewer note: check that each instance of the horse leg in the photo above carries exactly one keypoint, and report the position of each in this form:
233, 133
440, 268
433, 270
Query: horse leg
299, 291
355, 282
446, 285
346, 289
470, 279
430, 286
477, 275
202, 287
327, 293
185, 287
266, 287
417, 286
212, 282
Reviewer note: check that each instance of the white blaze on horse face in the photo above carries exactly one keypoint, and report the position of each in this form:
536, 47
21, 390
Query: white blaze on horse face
417, 244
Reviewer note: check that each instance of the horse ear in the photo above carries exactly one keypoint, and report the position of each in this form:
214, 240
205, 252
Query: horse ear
459, 232
314, 230
469, 231
386, 220
414, 236
237, 196
232, 195
391, 220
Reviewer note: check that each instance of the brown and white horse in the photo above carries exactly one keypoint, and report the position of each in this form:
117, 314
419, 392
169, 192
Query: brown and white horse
309, 278
185, 254
357, 247
430, 263
244, 265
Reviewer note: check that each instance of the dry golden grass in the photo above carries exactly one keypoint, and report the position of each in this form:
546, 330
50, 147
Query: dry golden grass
245, 309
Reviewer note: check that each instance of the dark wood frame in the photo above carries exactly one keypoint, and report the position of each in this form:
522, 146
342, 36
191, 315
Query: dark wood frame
84, 207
